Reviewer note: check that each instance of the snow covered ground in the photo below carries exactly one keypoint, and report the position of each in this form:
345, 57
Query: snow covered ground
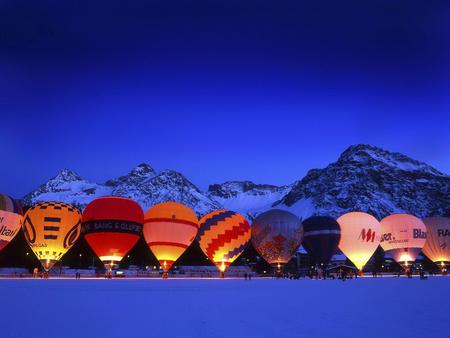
382, 307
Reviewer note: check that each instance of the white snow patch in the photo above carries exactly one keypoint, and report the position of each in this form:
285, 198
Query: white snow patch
303, 208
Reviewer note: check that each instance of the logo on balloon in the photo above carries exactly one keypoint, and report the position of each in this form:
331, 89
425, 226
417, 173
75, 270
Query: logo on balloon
368, 236
29, 231
72, 236
387, 237
418, 233
443, 233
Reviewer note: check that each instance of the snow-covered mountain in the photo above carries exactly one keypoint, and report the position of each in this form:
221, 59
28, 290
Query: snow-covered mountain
364, 178
142, 184
247, 197
67, 187
370, 179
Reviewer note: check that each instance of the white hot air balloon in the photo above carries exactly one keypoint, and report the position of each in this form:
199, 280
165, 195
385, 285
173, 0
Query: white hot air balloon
360, 237
403, 236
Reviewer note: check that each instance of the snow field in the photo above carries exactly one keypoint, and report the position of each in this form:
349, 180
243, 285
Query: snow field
380, 307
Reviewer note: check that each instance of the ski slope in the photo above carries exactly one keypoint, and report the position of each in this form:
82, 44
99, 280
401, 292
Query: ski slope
382, 307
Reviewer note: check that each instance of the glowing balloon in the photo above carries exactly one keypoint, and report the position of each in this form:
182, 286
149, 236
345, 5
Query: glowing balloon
321, 238
403, 236
11, 217
169, 229
277, 235
223, 236
360, 237
51, 229
437, 245
112, 226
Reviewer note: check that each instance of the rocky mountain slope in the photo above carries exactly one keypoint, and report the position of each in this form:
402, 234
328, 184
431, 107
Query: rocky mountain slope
370, 179
142, 184
364, 178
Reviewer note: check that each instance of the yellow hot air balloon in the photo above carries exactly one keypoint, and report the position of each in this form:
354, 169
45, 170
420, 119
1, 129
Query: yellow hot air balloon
360, 237
51, 229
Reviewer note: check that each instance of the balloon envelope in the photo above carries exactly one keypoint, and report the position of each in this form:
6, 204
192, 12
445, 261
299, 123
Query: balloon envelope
11, 217
403, 236
51, 229
437, 245
360, 237
169, 229
321, 238
277, 235
112, 226
223, 236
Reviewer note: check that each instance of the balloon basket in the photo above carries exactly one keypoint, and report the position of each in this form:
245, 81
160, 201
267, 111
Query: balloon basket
165, 275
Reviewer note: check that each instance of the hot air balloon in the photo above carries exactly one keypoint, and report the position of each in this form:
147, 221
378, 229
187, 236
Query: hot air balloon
112, 226
223, 236
437, 245
169, 229
11, 217
51, 229
321, 238
276, 236
403, 236
360, 237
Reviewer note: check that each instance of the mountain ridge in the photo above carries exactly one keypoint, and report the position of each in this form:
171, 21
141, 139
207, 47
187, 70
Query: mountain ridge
364, 178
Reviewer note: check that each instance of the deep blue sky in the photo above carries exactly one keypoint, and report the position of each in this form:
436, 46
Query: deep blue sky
219, 90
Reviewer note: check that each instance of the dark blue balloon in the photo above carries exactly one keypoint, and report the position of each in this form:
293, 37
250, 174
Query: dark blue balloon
321, 238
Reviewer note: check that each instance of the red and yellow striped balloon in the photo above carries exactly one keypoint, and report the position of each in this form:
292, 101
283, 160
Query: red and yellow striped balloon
223, 236
169, 229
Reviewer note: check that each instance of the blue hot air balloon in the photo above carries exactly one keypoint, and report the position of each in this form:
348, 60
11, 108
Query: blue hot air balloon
321, 238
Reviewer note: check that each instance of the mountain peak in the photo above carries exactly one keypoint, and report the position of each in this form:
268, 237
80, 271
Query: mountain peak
371, 179
67, 175
368, 155
136, 176
142, 169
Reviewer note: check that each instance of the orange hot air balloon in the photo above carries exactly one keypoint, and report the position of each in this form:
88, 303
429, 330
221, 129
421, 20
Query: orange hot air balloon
112, 226
11, 217
403, 236
223, 236
360, 237
437, 245
51, 229
169, 229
